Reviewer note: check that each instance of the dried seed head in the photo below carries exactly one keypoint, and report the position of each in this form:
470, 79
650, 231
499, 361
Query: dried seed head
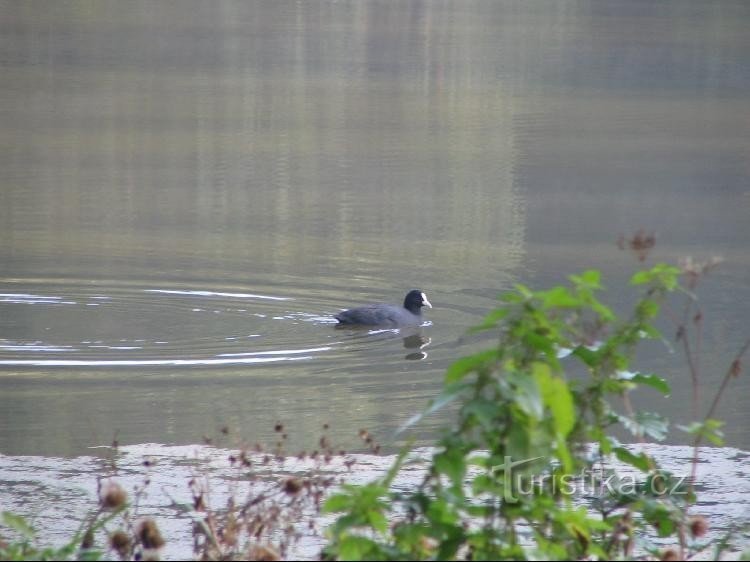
641, 243
292, 486
736, 368
698, 526
112, 495
670, 555
149, 535
245, 460
119, 541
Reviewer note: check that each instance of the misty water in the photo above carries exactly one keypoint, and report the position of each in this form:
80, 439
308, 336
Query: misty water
190, 191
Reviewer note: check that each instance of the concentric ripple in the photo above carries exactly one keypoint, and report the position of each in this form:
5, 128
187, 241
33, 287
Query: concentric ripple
83, 324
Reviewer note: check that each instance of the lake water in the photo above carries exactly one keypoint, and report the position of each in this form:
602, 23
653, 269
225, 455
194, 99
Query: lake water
191, 190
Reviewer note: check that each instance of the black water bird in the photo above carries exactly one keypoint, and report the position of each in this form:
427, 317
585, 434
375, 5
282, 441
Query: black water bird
387, 315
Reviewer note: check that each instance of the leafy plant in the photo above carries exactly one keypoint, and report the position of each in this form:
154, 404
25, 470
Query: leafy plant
535, 412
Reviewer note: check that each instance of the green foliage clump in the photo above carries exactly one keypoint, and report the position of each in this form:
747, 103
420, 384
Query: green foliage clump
534, 413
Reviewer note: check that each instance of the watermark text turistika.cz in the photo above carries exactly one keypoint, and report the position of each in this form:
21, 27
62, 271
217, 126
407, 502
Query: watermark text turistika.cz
597, 480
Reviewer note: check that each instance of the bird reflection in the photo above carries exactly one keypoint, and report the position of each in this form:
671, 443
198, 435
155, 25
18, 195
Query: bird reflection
419, 342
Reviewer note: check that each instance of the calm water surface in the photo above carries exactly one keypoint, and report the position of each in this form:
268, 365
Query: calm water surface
190, 191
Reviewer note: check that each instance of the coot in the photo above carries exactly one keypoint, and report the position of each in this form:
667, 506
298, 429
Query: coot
387, 315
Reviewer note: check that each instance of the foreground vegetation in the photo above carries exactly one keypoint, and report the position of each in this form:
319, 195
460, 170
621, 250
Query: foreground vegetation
534, 412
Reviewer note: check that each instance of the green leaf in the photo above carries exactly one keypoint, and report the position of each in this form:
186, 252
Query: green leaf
450, 393
527, 395
590, 357
640, 461
355, 547
387, 480
648, 308
337, 502
659, 515
377, 520
491, 320
602, 310
654, 425
654, 381
641, 278
524, 291
710, 429
557, 397
18, 524
661, 274
452, 463
646, 424
483, 410
560, 297
462, 367
590, 279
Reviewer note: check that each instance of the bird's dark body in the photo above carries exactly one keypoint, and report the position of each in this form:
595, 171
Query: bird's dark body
387, 315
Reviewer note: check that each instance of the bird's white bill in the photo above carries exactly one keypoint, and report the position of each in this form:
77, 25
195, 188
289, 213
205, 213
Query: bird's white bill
425, 302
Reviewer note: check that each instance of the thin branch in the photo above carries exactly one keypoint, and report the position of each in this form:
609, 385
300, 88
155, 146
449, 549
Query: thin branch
731, 373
